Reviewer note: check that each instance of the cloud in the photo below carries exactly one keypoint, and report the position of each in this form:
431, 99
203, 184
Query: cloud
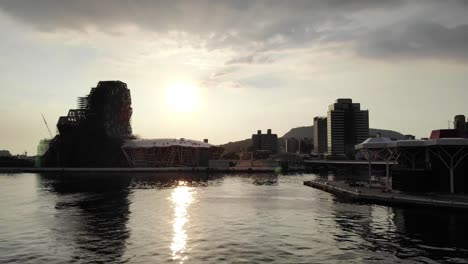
225, 21
175, 14
417, 39
252, 59
378, 29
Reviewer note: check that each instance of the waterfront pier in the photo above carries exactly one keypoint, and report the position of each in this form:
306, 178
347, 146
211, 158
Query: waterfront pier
375, 194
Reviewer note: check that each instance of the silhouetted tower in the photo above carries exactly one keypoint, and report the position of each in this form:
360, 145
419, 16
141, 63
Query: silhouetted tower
320, 135
347, 126
92, 134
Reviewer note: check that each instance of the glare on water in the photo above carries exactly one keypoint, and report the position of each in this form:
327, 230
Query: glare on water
182, 197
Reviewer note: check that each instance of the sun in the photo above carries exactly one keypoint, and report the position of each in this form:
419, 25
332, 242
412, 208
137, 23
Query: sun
182, 97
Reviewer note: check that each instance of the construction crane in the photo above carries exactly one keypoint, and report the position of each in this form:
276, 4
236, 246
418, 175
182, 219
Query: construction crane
43, 118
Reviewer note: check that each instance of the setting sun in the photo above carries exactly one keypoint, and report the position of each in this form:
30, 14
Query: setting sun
182, 97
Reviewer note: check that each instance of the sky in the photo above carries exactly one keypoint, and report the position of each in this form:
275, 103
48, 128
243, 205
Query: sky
238, 66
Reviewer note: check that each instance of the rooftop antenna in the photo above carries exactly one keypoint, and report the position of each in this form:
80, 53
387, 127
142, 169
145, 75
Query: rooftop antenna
45, 122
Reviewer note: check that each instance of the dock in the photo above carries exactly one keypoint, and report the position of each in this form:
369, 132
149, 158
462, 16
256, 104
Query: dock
378, 196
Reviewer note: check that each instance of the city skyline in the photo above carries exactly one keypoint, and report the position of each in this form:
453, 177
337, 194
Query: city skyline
240, 66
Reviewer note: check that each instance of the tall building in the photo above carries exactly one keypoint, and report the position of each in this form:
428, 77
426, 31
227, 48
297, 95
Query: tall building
320, 135
347, 126
265, 142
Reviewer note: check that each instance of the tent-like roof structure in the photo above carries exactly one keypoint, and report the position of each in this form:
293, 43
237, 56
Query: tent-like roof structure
165, 142
409, 143
376, 143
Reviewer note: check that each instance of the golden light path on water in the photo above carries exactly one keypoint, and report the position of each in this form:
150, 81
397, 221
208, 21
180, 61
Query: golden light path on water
182, 197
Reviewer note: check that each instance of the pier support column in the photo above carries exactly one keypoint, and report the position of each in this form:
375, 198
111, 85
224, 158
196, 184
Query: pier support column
384, 154
387, 167
394, 155
452, 186
451, 161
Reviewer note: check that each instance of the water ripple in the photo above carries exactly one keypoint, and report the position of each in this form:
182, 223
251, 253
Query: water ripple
212, 219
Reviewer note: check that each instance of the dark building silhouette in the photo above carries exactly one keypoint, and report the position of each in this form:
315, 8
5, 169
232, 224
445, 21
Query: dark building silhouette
424, 168
306, 145
299, 146
459, 122
265, 142
5, 153
320, 135
292, 145
92, 134
409, 137
347, 126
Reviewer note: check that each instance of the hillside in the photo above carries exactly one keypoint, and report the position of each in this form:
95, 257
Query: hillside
236, 146
306, 132
300, 132
386, 133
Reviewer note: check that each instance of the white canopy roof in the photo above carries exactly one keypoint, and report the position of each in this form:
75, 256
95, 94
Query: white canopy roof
378, 142
165, 142
375, 143
410, 143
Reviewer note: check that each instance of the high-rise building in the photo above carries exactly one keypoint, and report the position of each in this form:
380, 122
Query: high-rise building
347, 126
320, 135
265, 142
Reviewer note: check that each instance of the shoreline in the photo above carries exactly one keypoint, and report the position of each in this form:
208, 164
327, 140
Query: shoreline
140, 170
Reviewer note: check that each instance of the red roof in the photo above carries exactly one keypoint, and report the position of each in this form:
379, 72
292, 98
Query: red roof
447, 133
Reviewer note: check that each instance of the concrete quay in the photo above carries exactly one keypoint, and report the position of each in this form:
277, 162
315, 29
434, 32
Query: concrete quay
136, 170
376, 195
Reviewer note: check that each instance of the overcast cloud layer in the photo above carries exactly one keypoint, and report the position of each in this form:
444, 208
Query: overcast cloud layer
376, 29
255, 64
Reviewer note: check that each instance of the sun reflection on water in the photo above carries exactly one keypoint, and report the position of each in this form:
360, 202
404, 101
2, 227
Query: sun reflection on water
182, 197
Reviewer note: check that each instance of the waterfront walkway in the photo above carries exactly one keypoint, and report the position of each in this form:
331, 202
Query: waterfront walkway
346, 162
377, 195
126, 170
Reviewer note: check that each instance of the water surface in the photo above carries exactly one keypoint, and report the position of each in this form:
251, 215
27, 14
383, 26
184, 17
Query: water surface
174, 218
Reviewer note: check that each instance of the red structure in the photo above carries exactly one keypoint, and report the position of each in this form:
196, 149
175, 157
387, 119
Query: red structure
460, 129
448, 133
